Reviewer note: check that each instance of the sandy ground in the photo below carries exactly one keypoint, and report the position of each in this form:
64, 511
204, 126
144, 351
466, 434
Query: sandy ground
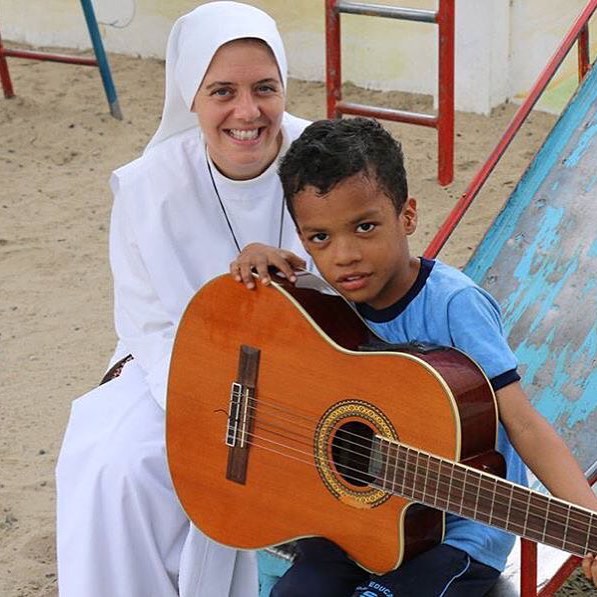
58, 147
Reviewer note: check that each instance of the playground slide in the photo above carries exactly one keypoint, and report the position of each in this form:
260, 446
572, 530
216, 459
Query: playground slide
539, 259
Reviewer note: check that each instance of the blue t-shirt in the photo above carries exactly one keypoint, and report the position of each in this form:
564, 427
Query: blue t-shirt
447, 308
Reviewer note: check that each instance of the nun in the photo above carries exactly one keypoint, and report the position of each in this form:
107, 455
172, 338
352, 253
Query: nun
205, 186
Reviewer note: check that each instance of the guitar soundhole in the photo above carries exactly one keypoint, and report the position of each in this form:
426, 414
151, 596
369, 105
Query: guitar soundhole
351, 452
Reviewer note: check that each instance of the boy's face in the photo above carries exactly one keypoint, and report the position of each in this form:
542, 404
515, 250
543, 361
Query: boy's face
357, 240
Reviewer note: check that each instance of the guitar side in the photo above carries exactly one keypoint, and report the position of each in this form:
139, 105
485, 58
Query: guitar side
313, 385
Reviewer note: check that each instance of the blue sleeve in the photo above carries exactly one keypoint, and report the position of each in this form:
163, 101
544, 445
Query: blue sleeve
475, 326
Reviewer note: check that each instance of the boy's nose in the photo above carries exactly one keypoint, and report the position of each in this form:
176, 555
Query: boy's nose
347, 252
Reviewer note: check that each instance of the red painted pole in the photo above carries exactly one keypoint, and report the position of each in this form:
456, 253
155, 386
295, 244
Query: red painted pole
446, 229
560, 577
47, 57
528, 568
445, 128
583, 53
333, 74
5, 74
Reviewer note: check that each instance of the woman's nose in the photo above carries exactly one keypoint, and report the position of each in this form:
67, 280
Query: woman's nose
246, 107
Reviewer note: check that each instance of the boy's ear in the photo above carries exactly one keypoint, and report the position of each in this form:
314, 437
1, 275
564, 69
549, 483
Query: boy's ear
409, 215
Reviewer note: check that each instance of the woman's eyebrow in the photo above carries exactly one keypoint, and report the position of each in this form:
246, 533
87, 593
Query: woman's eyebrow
232, 83
218, 84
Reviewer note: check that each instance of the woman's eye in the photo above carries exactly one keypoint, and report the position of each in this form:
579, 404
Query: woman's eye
365, 227
266, 89
221, 92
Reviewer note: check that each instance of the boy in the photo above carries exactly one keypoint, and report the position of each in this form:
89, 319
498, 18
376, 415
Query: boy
345, 186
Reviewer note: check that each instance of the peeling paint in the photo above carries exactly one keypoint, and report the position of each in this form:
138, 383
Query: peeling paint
539, 260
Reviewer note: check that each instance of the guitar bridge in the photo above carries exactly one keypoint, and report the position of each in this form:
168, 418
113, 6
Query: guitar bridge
237, 412
240, 414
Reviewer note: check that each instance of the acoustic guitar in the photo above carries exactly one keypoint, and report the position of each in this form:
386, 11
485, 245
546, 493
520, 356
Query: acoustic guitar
287, 417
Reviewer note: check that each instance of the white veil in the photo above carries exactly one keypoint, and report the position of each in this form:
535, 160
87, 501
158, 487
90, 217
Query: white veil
193, 41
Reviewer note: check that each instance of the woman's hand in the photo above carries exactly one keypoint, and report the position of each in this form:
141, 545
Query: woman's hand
260, 258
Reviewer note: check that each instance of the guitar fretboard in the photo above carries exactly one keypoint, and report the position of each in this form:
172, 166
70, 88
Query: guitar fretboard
468, 492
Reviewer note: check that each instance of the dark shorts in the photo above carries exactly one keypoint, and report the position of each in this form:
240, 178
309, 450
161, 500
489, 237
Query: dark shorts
323, 570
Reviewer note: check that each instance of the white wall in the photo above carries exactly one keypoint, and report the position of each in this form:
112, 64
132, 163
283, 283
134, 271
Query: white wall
501, 45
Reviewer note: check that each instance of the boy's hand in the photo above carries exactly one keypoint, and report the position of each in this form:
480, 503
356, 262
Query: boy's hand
258, 257
589, 567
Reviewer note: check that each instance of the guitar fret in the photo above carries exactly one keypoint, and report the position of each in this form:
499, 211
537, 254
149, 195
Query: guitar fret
471, 495
398, 453
410, 492
492, 505
526, 514
477, 495
535, 516
415, 479
565, 534
462, 499
437, 481
426, 480
442, 498
518, 509
390, 468
556, 523
458, 486
386, 468
546, 518
509, 508
454, 487
591, 548
448, 496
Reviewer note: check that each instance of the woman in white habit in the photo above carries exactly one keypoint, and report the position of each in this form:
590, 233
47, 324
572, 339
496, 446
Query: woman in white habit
205, 187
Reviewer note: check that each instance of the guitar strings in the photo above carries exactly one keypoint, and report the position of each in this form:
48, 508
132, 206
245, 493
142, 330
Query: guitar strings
569, 545
524, 501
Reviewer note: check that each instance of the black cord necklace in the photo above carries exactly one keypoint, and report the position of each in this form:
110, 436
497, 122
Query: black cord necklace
225, 213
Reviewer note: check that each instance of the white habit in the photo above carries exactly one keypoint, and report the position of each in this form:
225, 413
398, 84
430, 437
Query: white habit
120, 529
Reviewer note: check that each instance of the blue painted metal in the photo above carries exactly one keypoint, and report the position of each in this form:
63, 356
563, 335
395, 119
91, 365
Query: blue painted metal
102, 59
539, 260
271, 568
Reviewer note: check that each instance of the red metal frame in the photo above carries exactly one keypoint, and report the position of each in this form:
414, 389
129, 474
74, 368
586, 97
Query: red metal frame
444, 121
50, 57
29, 54
100, 60
579, 30
584, 60
528, 565
5, 74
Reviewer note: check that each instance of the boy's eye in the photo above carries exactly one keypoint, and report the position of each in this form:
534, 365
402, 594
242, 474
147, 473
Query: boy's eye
320, 237
365, 227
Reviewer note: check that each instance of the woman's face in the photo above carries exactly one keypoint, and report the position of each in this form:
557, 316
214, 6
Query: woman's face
240, 104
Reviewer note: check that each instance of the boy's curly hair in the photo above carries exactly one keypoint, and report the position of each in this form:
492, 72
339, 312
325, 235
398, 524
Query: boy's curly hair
330, 151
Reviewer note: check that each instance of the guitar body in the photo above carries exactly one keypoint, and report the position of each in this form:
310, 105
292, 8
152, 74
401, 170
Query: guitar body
315, 387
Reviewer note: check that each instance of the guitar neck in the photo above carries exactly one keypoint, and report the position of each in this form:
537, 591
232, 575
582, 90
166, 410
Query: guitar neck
471, 493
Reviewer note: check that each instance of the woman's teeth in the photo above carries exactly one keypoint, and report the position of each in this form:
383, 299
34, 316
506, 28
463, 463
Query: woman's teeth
244, 135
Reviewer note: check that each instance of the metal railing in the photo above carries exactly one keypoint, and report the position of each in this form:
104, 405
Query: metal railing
100, 61
444, 121
579, 32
